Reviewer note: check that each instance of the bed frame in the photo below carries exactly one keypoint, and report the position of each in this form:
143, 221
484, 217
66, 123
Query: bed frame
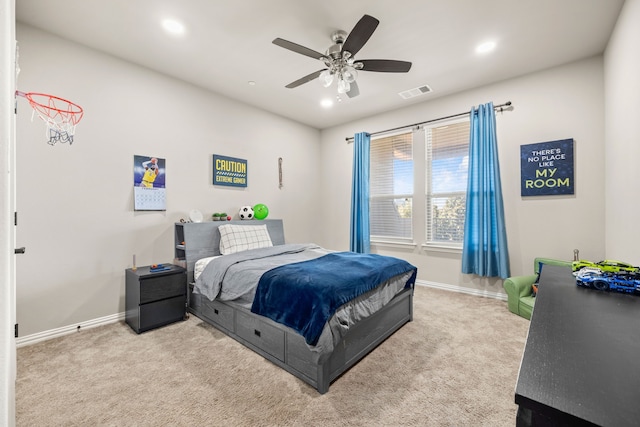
275, 342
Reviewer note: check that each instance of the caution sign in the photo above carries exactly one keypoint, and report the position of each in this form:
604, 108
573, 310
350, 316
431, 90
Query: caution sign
229, 171
547, 168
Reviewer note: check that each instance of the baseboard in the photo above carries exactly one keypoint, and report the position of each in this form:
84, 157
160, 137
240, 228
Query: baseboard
462, 290
66, 330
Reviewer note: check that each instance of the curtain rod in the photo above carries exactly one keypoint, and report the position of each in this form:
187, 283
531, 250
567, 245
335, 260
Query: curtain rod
495, 107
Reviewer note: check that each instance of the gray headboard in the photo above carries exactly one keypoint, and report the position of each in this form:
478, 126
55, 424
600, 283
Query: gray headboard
202, 239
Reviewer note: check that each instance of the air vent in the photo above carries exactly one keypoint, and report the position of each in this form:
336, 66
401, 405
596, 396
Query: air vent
411, 93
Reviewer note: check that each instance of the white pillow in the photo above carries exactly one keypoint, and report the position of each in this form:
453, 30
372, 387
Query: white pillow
236, 238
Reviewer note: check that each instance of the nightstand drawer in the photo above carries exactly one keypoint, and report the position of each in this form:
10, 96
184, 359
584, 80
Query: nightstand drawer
161, 287
161, 313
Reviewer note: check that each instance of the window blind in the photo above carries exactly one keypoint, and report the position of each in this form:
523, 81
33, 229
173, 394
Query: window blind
391, 187
447, 157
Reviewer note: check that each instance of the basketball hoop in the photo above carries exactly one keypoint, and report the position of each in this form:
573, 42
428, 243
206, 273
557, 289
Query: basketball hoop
60, 116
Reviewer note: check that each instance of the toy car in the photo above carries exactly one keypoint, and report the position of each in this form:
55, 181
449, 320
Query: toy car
585, 270
624, 282
607, 265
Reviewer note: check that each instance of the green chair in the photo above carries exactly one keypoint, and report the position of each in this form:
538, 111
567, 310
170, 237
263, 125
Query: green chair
519, 291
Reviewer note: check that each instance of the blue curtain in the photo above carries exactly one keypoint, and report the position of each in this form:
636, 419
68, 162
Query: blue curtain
484, 250
360, 195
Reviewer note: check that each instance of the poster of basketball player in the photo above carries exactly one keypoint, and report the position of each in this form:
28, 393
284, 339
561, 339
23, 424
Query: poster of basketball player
149, 174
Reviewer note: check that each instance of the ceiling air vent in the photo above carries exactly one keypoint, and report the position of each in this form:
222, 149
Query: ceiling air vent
411, 93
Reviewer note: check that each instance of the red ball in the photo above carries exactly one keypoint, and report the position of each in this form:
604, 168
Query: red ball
229, 218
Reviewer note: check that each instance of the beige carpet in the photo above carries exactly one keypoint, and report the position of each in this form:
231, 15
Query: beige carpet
456, 364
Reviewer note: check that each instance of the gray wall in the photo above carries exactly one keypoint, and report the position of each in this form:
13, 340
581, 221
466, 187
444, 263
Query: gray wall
75, 202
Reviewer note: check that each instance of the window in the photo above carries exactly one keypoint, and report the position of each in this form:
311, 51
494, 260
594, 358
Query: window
447, 161
418, 185
391, 188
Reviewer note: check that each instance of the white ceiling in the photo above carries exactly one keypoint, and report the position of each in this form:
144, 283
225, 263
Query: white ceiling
229, 43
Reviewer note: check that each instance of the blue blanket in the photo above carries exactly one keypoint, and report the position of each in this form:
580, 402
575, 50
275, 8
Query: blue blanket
304, 295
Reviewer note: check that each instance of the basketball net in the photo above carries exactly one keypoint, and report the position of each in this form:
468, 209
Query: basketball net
60, 116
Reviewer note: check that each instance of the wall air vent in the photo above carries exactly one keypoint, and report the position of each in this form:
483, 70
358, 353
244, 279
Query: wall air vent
412, 93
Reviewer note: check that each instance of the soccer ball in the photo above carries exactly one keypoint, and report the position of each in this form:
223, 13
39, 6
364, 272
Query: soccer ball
246, 212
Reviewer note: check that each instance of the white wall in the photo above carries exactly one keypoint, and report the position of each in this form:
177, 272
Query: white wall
564, 102
75, 202
622, 117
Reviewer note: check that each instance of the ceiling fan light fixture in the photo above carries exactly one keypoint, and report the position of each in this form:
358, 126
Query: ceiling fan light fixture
326, 78
343, 86
349, 74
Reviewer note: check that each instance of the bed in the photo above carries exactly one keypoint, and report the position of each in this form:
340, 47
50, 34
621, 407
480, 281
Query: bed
316, 351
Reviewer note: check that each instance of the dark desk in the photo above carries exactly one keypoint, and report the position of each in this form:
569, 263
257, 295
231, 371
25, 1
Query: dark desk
581, 363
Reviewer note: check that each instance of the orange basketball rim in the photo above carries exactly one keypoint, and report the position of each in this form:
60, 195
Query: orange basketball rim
60, 115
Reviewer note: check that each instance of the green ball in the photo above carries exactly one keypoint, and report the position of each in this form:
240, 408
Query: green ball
260, 211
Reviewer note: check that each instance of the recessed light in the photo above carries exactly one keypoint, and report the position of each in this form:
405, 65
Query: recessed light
486, 47
172, 26
251, 83
326, 103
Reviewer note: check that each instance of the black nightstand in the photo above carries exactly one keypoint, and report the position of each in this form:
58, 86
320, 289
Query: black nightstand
155, 299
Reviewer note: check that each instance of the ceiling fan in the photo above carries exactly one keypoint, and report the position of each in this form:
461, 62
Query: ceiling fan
340, 61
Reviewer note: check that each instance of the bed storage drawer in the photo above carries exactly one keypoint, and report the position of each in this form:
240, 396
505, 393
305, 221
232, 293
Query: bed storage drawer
264, 336
218, 313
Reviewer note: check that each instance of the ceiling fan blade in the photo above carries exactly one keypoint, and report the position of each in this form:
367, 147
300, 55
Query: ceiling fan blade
297, 48
354, 91
360, 34
305, 79
385, 65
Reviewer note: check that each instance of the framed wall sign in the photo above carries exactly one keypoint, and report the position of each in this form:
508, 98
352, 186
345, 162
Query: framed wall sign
149, 174
546, 168
229, 171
